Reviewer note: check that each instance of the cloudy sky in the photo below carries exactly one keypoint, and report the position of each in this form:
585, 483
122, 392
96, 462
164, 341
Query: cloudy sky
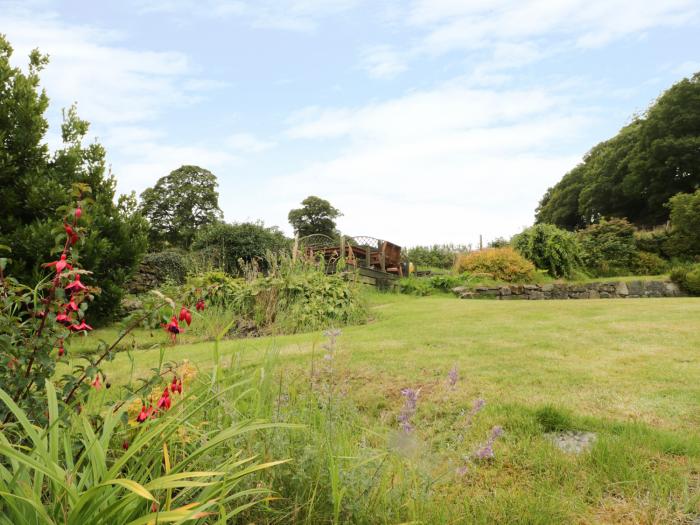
424, 121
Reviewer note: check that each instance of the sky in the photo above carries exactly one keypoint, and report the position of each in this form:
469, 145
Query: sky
423, 121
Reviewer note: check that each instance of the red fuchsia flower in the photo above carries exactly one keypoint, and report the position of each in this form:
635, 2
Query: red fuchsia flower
70, 233
64, 318
76, 285
200, 305
176, 386
165, 401
60, 265
78, 213
96, 382
144, 414
186, 315
71, 306
125, 445
173, 328
83, 326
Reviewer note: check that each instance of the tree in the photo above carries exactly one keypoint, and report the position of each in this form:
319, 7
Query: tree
684, 239
36, 183
609, 247
179, 204
315, 216
634, 174
550, 248
225, 244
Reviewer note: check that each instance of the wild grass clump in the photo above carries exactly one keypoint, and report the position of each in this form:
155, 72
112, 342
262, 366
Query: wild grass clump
553, 419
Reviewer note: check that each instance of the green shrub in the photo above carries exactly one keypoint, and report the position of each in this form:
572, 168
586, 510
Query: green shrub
415, 286
287, 300
684, 240
227, 246
647, 263
687, 276
653, 241
608, 247
435, 256
502, 264
550, 248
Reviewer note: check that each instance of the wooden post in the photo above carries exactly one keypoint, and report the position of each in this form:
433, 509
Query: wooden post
368, 256
295, 250
481, 244
382, 256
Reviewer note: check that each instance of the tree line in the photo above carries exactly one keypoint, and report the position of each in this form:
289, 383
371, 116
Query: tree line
634, 174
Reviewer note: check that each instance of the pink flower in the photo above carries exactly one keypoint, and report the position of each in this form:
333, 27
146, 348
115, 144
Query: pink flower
173, 328
185, 315
70, 233
164, 401
60, 265
144, 414
83, 326
96, 382
76, 285
200, 305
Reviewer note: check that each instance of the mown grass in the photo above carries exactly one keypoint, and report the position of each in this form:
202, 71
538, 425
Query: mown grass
625, 369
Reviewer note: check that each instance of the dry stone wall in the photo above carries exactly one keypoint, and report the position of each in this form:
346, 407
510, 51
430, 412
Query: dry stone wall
597, 290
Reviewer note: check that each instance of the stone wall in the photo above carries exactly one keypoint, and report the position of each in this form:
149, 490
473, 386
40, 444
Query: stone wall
597, 290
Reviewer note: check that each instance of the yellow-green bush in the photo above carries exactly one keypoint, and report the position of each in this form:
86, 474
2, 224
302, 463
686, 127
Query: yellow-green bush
502, 264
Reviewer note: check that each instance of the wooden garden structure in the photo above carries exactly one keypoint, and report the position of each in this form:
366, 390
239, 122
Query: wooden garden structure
375, 262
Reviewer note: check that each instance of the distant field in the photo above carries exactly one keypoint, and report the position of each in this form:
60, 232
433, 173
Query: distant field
628, 370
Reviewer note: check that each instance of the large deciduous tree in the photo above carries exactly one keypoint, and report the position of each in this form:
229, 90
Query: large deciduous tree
179, 204
635, 173
36, 183
316, 216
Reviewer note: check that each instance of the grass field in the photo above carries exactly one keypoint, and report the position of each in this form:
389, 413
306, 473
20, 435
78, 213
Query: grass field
628, 370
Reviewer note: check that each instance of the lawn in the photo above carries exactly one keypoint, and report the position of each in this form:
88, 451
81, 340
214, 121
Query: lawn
626, 370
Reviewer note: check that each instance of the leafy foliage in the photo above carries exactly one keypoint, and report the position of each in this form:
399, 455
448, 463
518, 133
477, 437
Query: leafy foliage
608, 247
687, 276
503, 264
684, 239
435, 256
316, 216
653, 241
36, 184
647, 263
227, 246
635, 173
290, 298
550, 248
89, 468
180, 204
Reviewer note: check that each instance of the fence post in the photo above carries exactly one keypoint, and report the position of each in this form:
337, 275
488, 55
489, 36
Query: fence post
295, 249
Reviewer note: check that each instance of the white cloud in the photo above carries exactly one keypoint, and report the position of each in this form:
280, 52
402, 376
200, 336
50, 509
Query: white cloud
441, 165
291, 15
122, 91
248, 143
501, 34
383, 62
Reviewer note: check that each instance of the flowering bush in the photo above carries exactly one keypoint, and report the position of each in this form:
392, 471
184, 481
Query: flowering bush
503, 264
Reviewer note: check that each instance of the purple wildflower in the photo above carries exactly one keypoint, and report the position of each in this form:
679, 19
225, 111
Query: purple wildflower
486, 450
409, 408
332, 335
452, 377
478, 405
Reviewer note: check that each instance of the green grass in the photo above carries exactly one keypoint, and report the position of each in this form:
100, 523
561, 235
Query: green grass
625, 369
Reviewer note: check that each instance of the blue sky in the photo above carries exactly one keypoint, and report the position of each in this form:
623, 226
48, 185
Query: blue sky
424, 121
